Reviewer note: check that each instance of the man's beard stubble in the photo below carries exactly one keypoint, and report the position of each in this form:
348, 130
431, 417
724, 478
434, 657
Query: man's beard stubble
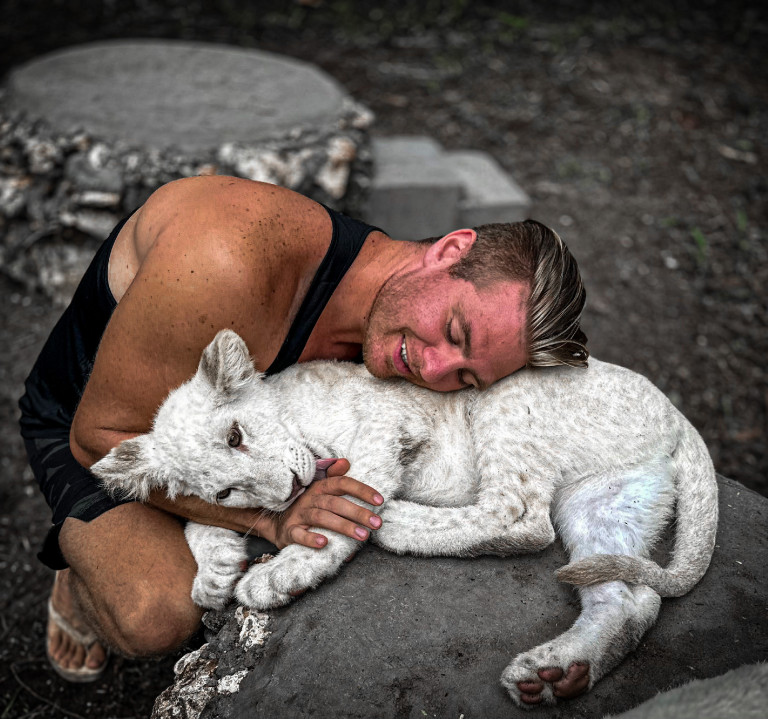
389, 308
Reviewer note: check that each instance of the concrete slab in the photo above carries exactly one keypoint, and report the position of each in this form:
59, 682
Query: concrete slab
419, 190
189, 95
489, 193
413, 193
407, 637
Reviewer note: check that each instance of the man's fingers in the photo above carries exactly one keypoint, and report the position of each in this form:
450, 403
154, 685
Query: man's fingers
325, 505
339, 468
347, 485
335, 523
301, 535
332, 505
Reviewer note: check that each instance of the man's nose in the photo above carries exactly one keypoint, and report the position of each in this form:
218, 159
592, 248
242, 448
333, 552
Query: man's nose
437, 365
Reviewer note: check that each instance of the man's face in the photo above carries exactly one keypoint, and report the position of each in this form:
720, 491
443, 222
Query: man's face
445, 334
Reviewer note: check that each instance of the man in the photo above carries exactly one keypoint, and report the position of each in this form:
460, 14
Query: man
207, 253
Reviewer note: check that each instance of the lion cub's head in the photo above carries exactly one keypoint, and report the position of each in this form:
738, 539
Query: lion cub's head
220, 436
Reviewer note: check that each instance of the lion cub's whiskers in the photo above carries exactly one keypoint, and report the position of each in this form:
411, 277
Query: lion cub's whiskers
262, 512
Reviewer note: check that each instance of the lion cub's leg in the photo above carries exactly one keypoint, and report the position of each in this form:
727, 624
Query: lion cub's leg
620, 512
219, 554
295, 569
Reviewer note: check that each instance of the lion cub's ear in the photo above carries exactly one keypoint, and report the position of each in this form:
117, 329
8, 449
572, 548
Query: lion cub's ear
226, 364
127, 472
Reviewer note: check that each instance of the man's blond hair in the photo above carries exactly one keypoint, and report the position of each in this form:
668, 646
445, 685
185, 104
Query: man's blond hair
532, 253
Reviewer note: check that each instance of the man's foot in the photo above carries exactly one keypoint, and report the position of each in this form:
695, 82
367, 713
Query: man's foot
71, 646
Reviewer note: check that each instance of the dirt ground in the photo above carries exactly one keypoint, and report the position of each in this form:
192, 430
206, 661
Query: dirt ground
640, 135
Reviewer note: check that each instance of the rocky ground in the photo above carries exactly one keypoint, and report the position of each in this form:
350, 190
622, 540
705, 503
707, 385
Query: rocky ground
640, 135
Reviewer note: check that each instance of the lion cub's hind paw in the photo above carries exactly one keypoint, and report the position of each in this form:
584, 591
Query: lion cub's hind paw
532, 683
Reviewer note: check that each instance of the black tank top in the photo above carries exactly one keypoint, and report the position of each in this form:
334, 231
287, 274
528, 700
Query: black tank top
58, 378
346, 241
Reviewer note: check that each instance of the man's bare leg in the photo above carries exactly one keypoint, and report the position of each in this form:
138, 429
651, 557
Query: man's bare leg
129, 581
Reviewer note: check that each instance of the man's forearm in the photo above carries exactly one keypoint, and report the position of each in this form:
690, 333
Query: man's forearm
255, 521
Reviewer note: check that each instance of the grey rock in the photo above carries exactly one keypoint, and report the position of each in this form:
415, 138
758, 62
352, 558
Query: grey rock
739, 694
96, 223
88, 171
408, 637
88, 133
13, 196
419, 190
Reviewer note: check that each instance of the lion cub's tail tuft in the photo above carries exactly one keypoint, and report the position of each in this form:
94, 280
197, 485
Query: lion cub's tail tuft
633, 570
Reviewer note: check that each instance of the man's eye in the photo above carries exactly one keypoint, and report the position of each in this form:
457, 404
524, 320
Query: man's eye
449, 332
223, 494
235, 437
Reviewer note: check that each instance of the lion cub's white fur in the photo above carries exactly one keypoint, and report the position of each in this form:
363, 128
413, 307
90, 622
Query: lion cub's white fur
600, 454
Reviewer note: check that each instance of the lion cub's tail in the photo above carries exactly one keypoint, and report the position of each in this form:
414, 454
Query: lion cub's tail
696, 489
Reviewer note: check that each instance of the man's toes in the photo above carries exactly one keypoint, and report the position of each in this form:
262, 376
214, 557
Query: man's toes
73, 656
60, 648
54, 643
553, 674
95, 657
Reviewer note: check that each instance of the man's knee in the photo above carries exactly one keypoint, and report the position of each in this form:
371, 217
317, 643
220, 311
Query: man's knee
154, 628
146, 621
132, 573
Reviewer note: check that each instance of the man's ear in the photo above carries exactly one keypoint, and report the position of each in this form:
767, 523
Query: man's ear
226, 364
449, 249
127, 472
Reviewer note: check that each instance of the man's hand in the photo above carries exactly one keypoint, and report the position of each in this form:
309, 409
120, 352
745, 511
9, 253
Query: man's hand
323, 505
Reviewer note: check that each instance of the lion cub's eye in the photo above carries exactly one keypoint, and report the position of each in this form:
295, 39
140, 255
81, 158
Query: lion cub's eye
235, 437
223, 494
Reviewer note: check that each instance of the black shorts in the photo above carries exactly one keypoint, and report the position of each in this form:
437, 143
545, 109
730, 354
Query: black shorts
53, 391
70, 489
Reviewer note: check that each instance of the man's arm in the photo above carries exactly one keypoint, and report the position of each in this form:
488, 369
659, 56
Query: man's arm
322, 504
204, 264
197, 274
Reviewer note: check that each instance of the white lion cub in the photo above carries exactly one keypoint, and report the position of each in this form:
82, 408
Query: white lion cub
599, 453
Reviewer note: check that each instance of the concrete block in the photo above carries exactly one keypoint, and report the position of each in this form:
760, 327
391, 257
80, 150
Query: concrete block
419, 190
489, 193
414, 194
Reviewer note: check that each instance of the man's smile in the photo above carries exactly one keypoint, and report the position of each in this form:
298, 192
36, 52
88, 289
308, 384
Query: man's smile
400, 359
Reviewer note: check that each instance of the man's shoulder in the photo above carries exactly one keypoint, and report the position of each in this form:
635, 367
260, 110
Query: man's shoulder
225, 201
236, 223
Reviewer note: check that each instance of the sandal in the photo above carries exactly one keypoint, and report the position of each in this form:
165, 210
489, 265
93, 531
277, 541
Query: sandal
87, 639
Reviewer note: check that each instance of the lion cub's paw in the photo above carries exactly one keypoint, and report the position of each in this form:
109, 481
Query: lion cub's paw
216, 577
543, 676
263, 588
